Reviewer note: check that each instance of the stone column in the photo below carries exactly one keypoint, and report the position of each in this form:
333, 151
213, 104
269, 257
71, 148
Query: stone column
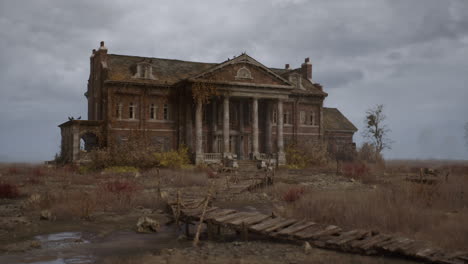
268, 143
198, 133
279, 134
214, 126
255, 151
226, 125
241, 130
75, 143
188, 127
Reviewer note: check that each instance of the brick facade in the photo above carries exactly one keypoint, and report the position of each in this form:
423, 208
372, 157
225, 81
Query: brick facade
154, 96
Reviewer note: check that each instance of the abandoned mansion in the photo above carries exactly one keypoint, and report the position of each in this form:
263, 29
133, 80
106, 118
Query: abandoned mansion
237, 108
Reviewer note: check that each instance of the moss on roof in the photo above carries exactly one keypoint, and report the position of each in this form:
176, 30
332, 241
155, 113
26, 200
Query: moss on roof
166, 71
334, 120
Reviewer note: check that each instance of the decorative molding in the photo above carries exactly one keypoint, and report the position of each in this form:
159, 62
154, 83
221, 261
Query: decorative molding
244, 73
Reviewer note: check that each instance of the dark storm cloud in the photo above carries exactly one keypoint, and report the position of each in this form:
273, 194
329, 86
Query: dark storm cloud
408, 55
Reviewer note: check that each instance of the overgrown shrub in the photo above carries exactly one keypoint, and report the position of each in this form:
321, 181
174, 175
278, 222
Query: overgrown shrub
121, 169
9, 191
174, 159
368, 153
118, 194
293, 194
306, 155
13, 170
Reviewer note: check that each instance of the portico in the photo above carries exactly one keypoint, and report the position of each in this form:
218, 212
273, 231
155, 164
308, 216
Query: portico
233, 125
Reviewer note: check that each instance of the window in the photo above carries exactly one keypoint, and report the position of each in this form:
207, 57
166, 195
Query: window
287, 117
118, 111
144, 70
153, 112
274, 116
302, 117
312, 118
131, 111
166, 112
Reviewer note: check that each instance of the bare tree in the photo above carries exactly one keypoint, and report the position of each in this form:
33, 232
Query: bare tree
376, 131
466, 134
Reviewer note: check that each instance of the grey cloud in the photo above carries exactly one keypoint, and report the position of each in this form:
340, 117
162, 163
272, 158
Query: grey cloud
405, 54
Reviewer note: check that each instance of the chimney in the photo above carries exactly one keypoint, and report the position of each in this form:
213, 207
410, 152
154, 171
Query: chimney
306, 69
286, 66
102, 47
101, 53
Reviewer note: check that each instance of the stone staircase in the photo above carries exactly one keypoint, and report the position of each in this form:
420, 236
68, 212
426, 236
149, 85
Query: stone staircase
247, 165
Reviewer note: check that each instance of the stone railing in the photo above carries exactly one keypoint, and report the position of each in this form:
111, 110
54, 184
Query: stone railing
212, 157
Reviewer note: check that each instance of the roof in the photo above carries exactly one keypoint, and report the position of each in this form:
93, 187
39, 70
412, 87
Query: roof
122, 67
334, 120
168, 71
310, 87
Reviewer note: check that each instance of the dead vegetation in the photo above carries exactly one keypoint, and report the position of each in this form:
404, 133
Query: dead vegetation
436, 213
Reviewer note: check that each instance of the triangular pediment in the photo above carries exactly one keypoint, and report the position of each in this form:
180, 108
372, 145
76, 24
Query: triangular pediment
243, 70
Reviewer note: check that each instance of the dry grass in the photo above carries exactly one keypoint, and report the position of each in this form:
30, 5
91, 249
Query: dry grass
437, 213
183, 178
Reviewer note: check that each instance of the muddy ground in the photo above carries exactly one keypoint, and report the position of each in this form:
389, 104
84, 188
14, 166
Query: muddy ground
108, 235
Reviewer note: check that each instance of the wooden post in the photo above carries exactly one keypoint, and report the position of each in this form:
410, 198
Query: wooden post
245, 234
178, 208
205, 206
159, 183
209, 227
187, 229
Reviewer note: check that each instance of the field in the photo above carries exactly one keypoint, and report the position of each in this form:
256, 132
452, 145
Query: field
96, 212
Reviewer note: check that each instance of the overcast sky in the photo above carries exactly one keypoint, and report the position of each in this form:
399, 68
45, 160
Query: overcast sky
411, 56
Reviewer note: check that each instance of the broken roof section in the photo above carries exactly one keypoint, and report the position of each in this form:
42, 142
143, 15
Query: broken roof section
334, 120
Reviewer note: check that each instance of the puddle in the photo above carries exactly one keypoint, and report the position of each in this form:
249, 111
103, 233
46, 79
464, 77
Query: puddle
82, 248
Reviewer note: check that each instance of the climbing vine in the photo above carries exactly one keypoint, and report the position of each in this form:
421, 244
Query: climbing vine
204, 91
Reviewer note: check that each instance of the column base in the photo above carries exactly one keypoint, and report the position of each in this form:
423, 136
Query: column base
255, 155
281, 158
199, 158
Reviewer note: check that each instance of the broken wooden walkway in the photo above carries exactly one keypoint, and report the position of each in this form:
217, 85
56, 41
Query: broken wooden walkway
323, 236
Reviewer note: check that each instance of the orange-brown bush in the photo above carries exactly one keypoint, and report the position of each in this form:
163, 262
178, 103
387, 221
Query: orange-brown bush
8, 190
359, 171
118, 195
293, 194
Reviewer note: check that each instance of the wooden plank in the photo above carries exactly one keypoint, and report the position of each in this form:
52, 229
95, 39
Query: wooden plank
329, 230
301, 225
415, 247
374, 241
308, 232
218, 213
209, 210
285, 223
238, 221
265, 224
254, 219
399, 245
223, 219
348, 237
427, 252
